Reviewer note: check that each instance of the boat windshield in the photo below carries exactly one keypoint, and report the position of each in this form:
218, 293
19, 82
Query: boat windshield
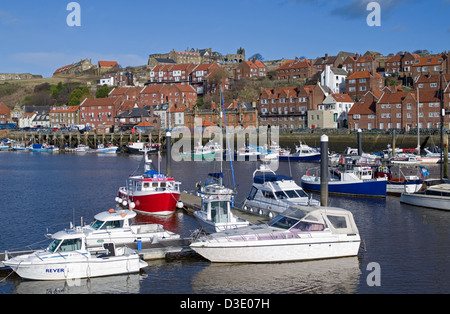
67, 245
54, 245
287, 219
112, 224
301, 193
283, 222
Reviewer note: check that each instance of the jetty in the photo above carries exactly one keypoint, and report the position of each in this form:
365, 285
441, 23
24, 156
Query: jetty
167, 247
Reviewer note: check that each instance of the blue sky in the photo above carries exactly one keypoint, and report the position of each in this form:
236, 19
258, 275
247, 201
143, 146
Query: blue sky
35, 38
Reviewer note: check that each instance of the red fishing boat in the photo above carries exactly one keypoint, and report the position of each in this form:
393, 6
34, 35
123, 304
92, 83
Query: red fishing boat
150, 193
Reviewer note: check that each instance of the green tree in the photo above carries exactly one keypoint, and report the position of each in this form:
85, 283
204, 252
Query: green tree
103, 91
78, 95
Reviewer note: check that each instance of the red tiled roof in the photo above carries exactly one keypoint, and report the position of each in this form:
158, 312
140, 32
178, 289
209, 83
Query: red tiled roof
362, 74
342, 97
144, 124
64, 68
362, 108
4, 109
107, 64
424, 61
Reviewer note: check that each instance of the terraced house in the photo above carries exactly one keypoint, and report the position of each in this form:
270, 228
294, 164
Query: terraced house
287, 107
295, 69
64, 116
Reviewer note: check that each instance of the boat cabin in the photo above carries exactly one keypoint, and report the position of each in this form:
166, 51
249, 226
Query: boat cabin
320, 219
218, 210
67, 241
112, 219
275, 187
152, 181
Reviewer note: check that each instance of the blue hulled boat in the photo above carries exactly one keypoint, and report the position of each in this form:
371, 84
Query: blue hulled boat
357, 181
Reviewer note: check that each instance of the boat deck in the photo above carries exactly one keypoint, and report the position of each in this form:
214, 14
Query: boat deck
193, 203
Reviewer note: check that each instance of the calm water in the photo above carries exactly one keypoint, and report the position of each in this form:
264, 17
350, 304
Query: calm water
40, 191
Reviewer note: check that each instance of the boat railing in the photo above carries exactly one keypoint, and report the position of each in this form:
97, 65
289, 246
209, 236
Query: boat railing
262, 237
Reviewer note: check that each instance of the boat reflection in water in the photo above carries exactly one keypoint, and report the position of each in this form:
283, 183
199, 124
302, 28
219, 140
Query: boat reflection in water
112, 284
320, 276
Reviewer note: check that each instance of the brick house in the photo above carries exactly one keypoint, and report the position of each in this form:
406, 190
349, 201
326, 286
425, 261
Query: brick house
125, 93
98, 112
172, 73
5, 113
287, 107
393, 65
295, 69
235, 117
428, 81
431, 64
250, 70
362, 115
205, 77
64, 116
360, 63
359, 83
107, 66
135, 116
179, 94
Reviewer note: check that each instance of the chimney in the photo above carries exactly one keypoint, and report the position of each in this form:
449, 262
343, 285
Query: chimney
326, 56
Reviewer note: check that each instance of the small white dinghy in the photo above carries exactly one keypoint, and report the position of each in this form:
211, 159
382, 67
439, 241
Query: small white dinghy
68, 258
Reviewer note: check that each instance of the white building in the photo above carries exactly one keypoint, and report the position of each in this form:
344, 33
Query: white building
340, 105
334, 79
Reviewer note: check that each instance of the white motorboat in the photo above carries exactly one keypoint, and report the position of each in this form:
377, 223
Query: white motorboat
67, 257
215, 214
407, 158
272, 194
81, 148
303, 152
434, 196
306, 233
114, 226
102, 149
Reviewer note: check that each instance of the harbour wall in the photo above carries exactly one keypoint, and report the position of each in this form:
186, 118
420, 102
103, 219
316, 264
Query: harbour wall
338, 142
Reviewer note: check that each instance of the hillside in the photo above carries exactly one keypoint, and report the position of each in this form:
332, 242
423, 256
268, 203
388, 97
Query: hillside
14, 92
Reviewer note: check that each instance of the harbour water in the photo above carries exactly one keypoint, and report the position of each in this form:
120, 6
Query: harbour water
407, 248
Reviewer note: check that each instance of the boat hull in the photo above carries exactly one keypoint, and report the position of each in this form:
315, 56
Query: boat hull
163, 203
397, 188
312, 158
74, 268
429, 201
371, 188
278, 250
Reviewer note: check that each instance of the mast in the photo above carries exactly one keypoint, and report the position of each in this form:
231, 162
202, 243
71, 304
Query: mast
418, 126
228, 141
441, 96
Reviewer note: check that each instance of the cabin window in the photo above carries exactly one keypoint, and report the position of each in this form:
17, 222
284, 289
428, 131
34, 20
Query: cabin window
114, 224
146, 185
291, 194
283, 222
252, 193
308, 226
280, 195
268, 194
338, 222
219, 212
155, 184
66, 245
301, 193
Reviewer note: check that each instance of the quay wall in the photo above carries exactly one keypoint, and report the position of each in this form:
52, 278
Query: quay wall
338, 142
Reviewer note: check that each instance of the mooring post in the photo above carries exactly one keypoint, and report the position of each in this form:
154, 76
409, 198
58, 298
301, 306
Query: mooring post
359, 142
324, 170
169, 153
